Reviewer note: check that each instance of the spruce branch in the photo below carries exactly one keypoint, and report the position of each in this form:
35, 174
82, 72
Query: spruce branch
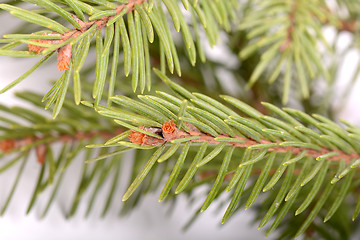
39, 131
296, 163
143, 21
193, 118
286, 36
57, 143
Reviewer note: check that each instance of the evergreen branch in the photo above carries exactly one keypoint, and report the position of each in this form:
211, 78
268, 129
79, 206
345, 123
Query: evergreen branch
17, 137
291, 29
313, 155
23, 131
306, 165
73, 45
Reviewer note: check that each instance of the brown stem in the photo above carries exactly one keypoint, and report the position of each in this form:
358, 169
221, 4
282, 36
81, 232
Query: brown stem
13, 145
347, 25
175, 133
102, 21
290, 29
65, 52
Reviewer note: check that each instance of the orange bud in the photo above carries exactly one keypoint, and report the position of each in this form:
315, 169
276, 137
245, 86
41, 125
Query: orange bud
64, 57
143, 139
35, 48
7, 145
136, 137
40, 153
168, 127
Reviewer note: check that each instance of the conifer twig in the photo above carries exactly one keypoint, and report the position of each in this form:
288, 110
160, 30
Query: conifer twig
171, 133
65, 51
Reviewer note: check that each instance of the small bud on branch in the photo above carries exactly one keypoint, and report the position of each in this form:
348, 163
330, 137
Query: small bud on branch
169, 132
64, 53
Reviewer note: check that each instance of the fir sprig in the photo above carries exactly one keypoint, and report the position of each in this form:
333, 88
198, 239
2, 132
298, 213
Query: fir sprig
328, 151
287, 31
300, 164
138, 22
